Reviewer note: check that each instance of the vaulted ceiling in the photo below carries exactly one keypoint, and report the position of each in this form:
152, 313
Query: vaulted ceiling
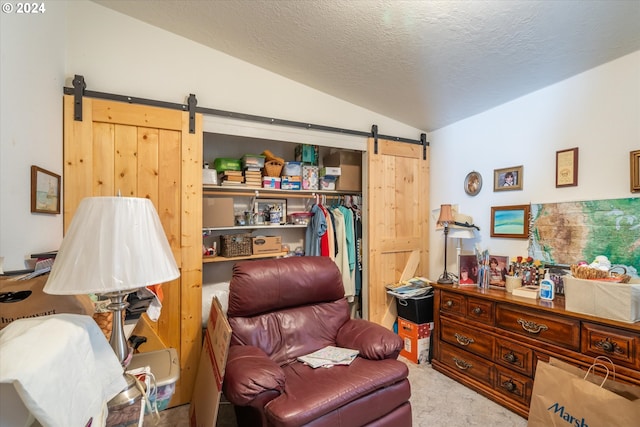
426, 63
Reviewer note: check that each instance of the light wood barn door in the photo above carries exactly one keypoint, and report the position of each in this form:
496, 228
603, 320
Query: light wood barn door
398, 219
145, 151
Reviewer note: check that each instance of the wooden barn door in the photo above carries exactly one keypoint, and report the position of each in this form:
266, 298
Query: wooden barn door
145, 151
398, 219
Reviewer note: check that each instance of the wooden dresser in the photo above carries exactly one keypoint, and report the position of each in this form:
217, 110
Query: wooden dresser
490, 341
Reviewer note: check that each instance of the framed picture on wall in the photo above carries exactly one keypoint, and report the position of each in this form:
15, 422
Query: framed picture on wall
510, 221
567, 168
635, 171
507, 179
45, 191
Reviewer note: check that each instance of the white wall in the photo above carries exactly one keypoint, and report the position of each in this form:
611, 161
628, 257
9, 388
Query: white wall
31, 78
117, 54
597, 111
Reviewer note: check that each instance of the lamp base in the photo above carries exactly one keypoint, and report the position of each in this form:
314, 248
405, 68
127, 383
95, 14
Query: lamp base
446, 279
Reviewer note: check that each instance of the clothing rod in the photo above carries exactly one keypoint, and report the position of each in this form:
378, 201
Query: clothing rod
230, 114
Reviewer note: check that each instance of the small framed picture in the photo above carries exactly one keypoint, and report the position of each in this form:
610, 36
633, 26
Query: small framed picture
567, 168
45, 191
498, 265
507, 179
468, 274
263, 208
473, 183
635, 171
557, 273
510, 221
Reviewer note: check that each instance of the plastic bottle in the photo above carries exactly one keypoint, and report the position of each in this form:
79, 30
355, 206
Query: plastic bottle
547, 288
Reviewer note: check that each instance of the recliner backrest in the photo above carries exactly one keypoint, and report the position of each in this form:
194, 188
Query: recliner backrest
287, 307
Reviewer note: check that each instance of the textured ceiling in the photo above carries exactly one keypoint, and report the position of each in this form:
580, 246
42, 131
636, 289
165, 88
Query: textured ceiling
424, 63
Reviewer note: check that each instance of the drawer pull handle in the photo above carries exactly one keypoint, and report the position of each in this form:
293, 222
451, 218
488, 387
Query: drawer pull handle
608, 346
510, 387
477, 311
510, 357
449, 304
532, 327
461, 364
462, 340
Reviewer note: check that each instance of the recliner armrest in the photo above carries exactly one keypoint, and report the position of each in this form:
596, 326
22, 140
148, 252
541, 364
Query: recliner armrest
373, 341
249, 373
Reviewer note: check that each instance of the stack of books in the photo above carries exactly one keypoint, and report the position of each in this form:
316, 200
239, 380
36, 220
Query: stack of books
231, 178
253, 177
329, 356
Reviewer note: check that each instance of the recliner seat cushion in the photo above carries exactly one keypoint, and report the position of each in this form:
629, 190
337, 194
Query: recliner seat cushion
341, 395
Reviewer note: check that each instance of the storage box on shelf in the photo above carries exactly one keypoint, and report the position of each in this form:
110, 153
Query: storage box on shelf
350, 164
235, 245
491, 341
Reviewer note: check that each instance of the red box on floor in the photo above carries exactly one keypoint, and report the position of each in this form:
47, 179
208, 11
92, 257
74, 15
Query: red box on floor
416, 338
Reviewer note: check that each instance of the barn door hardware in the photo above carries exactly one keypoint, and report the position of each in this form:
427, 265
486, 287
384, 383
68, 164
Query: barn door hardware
192, 102
78, 91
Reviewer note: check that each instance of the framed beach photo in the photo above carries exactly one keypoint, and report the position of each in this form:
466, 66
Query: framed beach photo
510, 221
45, 191
507, 179
498, 268
468, 270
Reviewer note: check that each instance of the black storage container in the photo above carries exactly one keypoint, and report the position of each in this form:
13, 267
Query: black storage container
418, 309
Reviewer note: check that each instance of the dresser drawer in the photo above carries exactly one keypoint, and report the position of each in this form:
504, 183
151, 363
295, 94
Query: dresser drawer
514, 356
561, 331
452, 303
482, 311
466, 337
467, 363
618, 345
513, 385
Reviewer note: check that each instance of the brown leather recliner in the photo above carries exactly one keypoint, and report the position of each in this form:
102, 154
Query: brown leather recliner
280, 309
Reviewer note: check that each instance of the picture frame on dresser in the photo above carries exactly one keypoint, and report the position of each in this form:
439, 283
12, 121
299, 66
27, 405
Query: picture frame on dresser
468, 270
557, 273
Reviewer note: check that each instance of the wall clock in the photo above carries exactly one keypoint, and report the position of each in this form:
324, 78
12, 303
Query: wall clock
473, 183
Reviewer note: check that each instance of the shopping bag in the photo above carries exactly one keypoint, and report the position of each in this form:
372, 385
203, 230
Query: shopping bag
564, 395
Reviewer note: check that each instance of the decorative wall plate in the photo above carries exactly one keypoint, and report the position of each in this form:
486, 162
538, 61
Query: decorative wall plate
473, 183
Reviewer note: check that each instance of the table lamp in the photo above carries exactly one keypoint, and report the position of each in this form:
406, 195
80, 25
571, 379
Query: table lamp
445, 218
114, 246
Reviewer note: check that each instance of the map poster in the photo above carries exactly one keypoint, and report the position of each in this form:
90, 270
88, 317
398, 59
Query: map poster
568, 232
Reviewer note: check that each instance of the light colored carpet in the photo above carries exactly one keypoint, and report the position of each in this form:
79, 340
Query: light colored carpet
436, 401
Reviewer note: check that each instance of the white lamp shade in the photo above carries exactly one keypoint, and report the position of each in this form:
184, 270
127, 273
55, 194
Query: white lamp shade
461, 233
113, 244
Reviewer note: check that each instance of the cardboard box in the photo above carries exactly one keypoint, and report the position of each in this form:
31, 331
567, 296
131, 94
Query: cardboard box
616, 301
350, 164
203, 411
330, 171
217, 212
266, 244
417, 339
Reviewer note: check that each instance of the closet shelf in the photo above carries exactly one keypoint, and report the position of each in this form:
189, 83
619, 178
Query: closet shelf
255, 227
214, 190
208, 259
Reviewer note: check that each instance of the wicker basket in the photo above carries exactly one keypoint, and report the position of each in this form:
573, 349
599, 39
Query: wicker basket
233, 245
273, 168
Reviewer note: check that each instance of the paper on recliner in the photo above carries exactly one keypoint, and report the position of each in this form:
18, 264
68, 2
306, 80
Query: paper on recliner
329, 356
